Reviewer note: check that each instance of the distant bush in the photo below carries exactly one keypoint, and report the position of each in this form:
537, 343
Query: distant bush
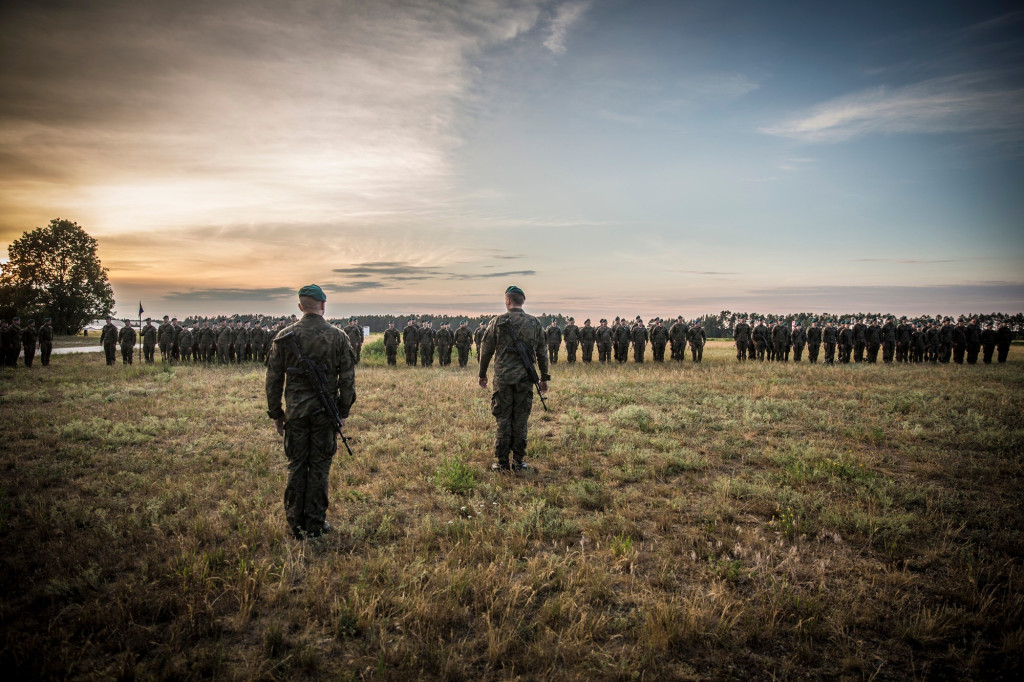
454, 475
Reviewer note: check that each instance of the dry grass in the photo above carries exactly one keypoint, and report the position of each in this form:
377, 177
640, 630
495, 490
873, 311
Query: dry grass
684, 522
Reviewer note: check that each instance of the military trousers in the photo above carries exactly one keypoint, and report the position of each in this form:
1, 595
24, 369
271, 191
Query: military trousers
30, 353
127, 353
987, 352
426, 356
812, 352
570, 351
222, 354
410, 355
588, 351
888, 349
741, 351
511, 405
780, 351
463, 355
44, 353
830, 353
638, 352
697, 351
604, 352
973, 347
165, 351
798, 352
309, 445
392, 354
110, 352
658, 349
553, 354
622, 351
1004, 351
873, 353
858, 351
444, 355
958, 353
148, 352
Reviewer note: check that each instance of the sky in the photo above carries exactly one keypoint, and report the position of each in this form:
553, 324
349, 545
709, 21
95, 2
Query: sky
610, 157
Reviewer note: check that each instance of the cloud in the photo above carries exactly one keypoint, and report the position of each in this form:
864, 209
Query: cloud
706, 272
397, 271
353, 287
565, 16
910, 261
978, 103
228, 294
490, 275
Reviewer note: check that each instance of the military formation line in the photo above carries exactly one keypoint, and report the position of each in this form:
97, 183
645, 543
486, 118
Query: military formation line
232, 341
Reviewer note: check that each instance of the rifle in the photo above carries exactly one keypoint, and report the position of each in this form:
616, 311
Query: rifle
315, 374
531, 372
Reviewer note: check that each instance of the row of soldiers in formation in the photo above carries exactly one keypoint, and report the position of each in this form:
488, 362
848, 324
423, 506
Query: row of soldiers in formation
226, 341
15, 340
860, 340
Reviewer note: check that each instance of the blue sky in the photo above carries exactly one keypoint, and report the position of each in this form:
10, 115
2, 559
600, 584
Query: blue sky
606, 156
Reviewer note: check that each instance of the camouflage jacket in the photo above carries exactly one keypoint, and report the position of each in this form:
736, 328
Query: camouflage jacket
873, 334
224, 336
185, 339
258, 337
28, 336
109, 334
391, 338
126, 337
603, 334
148, 335
696, 335
799, 336
241, 337
355, 334
45, 334
659, 335
621, 334
859, 331
206, 337
829, 334
588, 334
498, 343
553, 335
165, 333
410, 335
443, 338
325, 345
814, 336
571, 334
639, 335
463, 337
425, 337
741, 332
761, 334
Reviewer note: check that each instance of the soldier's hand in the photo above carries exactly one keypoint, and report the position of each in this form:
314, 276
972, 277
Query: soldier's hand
543, 387
342, 420
483, 382
279, 424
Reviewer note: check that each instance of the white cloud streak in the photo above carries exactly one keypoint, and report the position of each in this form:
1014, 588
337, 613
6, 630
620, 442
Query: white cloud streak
565, 16
976, 103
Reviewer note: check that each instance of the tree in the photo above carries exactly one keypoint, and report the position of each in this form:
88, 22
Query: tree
54, 271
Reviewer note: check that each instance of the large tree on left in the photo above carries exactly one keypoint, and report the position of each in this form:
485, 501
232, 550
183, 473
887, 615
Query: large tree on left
54, 271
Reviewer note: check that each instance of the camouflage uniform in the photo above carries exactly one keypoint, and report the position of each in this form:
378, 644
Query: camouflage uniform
696, 336
571, 334
659, 339
860, 340
959, 342
780, 340
513, 392
478, 336
355, 336
873, 338
761, 340
444, 339
621, 337
587, 337
888, 341
310, 440
830, 338
108, 339
798, 337
553, 336
391, 341
223, 343
45, 343
426, 342
973, 342
988, 343
258, 339
126, 337
1004, 338
28, 342
186, 341
639, 337
463, 342
165, 337
149, 336
410, 341
813, 342
604, 338
846, 340
207, 342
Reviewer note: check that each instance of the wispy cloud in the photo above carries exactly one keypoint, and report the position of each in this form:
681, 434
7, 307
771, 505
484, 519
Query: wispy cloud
980, 103
566, 15
228, 295
907, 261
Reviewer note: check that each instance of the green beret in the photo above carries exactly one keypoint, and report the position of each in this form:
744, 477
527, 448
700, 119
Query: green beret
46, 319
314, 292
515, 290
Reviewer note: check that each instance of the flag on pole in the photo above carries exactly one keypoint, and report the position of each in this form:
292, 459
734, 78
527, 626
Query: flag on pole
140, 310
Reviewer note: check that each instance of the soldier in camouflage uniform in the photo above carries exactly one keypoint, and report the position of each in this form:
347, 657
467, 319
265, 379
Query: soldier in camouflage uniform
426, 341
697, 337
149, 336
513, 392
463, 342
860, 340
175, 332
639, 336
846, 341
761, 339
830, 337
873, 339
959, 342
478, 337
164, 337
604, 339
741, 336
1004, 338
813, 342
28, 342
659, 339
186, 341
391, 341
587, 337
223, 342
621, 337
108, 339
126, 337
259, 342
571, 335
988, 343
410, 341
355, 336
444, 339
310, 440
888, 340
798, 337
207, 342
553, 337
973, 341
45, 342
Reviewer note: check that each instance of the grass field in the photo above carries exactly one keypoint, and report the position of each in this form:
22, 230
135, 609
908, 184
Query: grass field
713, 521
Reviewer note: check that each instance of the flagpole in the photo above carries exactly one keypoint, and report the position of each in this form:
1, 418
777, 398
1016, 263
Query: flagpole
139, 337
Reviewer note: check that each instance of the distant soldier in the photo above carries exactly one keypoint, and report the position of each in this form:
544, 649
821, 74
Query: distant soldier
28, 341
859, 340
443, 339
410, 341
1004, 337
813, 342
845, 343
3, 343
512, 399
186, 340
478, 336
463, 342
973, 341
588, 335
741, 337
243, 338
697, 337
426, 341
798, 337
639, 337
259, 343
946, 340
780, 341
223, 343
604, 340
207, 342
889, 340
175, 331
873, 339
126, 337
830, 338
571, 334
45, 342
988, 343
761, 339
197, 351
934, 336
391, 340
659, 339
165, 338
149, 340
959, 341
355, 336
918, 344
553, 336
108, 339
677, 339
